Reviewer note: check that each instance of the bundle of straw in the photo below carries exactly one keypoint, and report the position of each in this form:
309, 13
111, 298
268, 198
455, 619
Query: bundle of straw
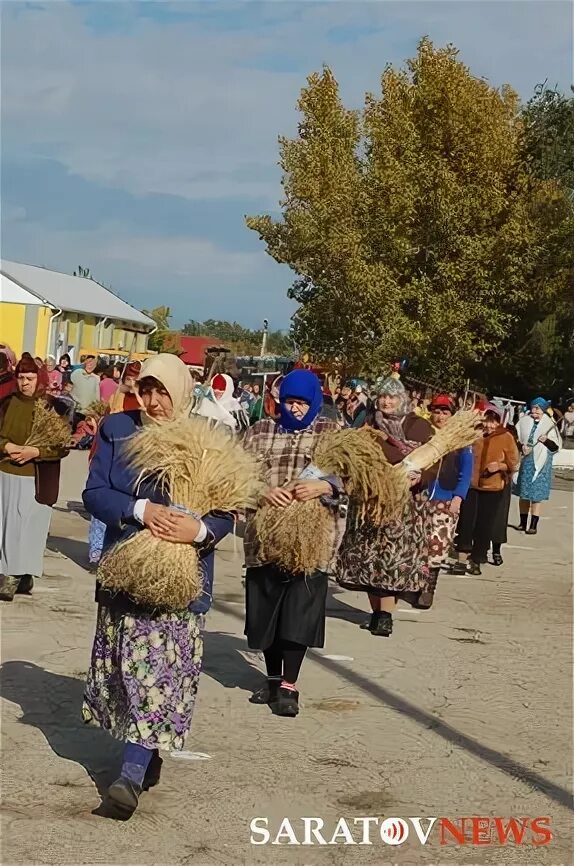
299, 537
49, 430
202, 468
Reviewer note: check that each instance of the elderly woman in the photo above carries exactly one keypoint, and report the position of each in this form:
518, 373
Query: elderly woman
29, 483
223, 389
446, 494
485, 508
539, 439
390, 562
145, 663
285, 613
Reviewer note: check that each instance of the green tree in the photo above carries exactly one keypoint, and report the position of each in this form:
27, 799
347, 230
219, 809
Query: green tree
538, 354
410, 225
242, 341
164, 339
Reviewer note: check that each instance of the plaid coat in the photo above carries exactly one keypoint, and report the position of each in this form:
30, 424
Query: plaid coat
283, 455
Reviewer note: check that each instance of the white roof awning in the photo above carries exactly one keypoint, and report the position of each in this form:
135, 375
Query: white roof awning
12, 293
72, 294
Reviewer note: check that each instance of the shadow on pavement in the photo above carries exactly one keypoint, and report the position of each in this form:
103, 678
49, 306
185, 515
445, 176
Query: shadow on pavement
337, 609
223, 662
485, 753
75, 550
52, 703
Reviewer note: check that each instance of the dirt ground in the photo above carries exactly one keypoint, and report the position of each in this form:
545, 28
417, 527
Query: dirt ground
465, 711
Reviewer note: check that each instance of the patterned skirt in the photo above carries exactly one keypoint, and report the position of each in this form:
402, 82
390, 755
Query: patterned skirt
96, 535
388, 559
443, 530
143, 677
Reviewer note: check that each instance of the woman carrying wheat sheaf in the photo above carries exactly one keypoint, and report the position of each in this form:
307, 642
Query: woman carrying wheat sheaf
285, 612
29, 477
146, 661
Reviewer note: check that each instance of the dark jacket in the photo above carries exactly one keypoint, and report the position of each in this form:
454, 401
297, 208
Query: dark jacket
7, 384
47, 470
112, 491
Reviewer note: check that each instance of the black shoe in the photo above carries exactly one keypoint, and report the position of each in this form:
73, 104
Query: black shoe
532, 531
266, 694
382, 624
26, 585
8, 587
123, 798
458, 568
367, 624
153, 772
497, 559
474, 568
286, 703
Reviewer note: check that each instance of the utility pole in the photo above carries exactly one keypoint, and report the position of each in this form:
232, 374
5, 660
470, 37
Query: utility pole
264, 340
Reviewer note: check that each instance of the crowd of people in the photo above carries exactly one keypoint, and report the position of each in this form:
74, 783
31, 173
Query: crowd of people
146, 661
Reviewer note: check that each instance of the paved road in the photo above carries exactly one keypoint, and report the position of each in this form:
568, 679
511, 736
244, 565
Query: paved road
467, 710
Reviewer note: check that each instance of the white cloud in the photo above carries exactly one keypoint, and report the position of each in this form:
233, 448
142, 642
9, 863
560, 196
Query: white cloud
159, 108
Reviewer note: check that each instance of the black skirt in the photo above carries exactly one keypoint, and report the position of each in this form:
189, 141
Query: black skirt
482, 520
282, 606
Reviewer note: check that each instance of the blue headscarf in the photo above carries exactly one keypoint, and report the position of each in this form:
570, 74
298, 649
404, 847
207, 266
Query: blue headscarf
306, 386
541, 402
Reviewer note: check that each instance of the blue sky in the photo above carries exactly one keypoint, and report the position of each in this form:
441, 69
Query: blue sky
135, 136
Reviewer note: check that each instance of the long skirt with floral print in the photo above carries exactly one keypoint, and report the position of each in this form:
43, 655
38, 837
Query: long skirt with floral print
443, 530
143, 677
387, 559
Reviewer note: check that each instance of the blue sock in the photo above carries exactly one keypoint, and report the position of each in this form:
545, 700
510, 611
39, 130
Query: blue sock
135, 761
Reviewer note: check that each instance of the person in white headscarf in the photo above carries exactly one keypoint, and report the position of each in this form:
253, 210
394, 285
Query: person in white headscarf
222, 389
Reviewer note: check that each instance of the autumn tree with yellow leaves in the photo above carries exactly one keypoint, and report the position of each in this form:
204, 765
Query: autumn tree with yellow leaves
409, 224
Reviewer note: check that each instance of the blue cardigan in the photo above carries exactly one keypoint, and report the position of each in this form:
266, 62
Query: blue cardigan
453, 480
112, 492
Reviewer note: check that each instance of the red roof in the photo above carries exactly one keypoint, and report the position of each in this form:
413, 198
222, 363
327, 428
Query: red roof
193, 349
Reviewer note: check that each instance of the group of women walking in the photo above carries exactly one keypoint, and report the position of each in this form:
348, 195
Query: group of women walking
146, 660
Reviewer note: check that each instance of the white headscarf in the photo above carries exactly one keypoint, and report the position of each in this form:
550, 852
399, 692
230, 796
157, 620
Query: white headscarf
175, 378
228, 401
545, 427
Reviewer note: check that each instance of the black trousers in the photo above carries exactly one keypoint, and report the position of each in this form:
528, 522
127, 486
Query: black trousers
479, 522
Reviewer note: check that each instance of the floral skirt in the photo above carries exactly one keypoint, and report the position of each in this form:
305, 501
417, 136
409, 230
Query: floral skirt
143, 677
443, 530
388, 559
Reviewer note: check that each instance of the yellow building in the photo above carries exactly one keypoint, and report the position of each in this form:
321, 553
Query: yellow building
48, 313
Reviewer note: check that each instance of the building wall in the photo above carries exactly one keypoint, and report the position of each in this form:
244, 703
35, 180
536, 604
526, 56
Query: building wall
42, 328
25, 328
12, 326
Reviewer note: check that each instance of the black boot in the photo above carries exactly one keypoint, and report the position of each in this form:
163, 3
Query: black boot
382, 625
26, 585
368, 623
123, 798
523, 522
153, 772
533, 526
286, 703
267, 693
